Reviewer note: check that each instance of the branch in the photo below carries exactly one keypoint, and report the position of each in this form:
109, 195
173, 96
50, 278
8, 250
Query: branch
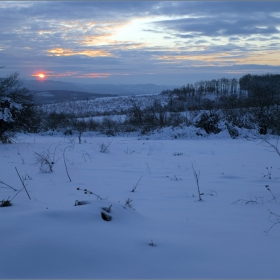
136, 185
1, 182
65, 162
274, 147
196, 177
23, 184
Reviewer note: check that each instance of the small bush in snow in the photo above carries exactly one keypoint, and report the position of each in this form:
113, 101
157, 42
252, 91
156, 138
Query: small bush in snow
274, 219
177, 154
110, 126
128, 203
104, 148
5, 203
45, 162
268, 175
46, 159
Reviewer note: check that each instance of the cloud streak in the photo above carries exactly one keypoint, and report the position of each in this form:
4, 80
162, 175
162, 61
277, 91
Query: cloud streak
69, 52
221, 59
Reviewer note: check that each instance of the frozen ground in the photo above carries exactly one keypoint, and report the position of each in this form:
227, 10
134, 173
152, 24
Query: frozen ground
166, 233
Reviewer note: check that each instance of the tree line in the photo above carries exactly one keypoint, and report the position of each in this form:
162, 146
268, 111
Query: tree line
251, 101
247, 84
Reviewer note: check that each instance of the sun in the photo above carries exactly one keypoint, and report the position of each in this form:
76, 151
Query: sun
41, 75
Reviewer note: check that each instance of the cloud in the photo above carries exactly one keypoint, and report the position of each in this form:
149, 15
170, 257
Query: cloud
93, 75
218, 26
222, 59
51, 74
69, 52
54, 75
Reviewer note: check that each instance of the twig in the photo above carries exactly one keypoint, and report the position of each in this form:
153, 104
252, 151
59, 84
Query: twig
274, 223
196, 177
71, 147
1, 182
22, 159
86, 154
136, 185
274, 198
275, 147
105, 148
86, 191
249, 201
128, 203
148, 168
23, 184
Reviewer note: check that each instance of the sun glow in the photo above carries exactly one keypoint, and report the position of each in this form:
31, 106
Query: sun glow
39, 75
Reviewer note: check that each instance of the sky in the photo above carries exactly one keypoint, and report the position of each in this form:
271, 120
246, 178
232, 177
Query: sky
164, 43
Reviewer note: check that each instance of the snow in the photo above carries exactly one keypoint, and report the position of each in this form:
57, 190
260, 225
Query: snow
104, 105
5, 115
218, 237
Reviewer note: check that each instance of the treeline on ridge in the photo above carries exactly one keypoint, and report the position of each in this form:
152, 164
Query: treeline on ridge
251, 102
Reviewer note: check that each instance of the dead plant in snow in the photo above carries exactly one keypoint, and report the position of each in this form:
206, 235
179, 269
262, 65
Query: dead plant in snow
86, 191
196, 177
274, 219
46, 160
104, 148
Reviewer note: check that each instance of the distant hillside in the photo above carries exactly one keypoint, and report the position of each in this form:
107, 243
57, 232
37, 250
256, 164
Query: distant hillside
46, 85
121, 89
126, 89
54, 96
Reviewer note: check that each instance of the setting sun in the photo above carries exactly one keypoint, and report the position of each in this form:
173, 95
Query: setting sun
39, 75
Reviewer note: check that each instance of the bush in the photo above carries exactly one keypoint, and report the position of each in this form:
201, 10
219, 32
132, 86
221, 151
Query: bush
109, 126
233, 132
57, 121
209, 123
16, 107
175, 119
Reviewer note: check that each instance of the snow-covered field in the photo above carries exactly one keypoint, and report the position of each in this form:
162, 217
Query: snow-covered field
164, 233
105, 105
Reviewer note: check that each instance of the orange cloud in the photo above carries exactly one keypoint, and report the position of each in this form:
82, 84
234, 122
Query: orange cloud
271, 58
69, 52
258, 57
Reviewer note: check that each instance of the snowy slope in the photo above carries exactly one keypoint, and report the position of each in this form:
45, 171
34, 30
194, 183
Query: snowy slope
221, 236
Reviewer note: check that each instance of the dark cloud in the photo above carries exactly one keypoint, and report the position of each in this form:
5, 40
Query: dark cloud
215, 26
219, 8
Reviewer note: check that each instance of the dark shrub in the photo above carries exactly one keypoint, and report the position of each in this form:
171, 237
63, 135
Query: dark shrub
209, 123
